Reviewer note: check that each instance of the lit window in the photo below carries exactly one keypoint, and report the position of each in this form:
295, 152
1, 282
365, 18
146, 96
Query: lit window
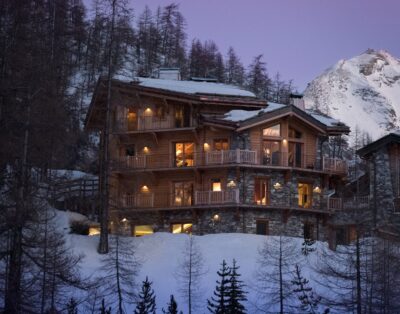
182, 228
274, 131
305, 195
261, 191
143, 230
94, 231
221, 144
216, 185
184, 154
183, 193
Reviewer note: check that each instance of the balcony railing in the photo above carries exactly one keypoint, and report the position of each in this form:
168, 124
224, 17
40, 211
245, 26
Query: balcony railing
225, 157
144, 123
217, 197
357, 202
147, 200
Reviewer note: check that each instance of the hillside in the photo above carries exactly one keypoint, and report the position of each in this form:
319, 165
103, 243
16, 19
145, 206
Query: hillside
161, 253
363, 91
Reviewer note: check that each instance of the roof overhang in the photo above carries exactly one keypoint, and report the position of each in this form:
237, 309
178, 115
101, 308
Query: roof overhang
378, 144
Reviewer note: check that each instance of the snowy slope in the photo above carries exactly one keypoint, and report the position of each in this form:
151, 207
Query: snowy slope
363, 91
161, 254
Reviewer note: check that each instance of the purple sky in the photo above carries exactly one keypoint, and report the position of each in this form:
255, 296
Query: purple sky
299, 38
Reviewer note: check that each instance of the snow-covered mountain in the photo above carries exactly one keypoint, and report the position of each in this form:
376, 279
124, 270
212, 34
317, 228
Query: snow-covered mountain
363, 91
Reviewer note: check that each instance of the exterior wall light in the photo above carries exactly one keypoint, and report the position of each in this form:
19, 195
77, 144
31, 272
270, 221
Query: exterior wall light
231, 184
206, 147
277, 186
317, 189
284, 141
216, 218
124, 220
146, 150
144, 189
148, 112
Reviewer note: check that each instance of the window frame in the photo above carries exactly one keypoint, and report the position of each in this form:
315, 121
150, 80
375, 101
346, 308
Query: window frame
267, 191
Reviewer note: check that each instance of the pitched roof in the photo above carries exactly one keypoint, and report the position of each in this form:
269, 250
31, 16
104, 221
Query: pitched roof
393, 137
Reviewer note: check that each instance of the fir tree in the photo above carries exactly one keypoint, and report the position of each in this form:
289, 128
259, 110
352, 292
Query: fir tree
147, 299
219, 303
172, 307
103, 309
72, 306
308, 301
236, 293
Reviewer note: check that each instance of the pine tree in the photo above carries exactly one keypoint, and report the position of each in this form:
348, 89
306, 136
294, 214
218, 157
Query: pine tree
237, 295
147, 299
308, 301
103, 309
257, 78
234, 69
172, 306
72, 307
219, 303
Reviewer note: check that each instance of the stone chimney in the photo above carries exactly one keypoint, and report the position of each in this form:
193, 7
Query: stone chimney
169, 74
298, 101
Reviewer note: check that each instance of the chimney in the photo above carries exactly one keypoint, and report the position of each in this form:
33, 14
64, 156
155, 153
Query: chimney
169, 74
298, 101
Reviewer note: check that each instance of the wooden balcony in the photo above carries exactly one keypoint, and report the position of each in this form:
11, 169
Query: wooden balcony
357, 202
201, 198
149, 123
229, 157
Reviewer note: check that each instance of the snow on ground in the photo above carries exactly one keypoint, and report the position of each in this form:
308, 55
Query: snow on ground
161, 254
190, 87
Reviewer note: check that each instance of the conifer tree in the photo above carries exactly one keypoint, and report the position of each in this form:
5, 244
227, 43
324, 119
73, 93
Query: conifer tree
172, 306
147, 299
308, 300
72, 307
237, 295
219, 303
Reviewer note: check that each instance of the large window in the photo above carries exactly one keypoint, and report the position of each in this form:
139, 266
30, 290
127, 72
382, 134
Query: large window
182, 228
143, 230
221, 144
261, 191
183, 194
305, 194
295, 158
216, 185
272, 153
293, 133
184, 154
130, 150
262, 227
272, 131
161, 112
182, 116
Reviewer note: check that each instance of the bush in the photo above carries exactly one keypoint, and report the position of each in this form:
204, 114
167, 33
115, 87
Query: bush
79, 227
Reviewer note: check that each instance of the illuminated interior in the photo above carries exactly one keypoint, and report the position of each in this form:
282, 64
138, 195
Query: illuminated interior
273, 131
182, 228
184, 154
132, 119
261, 191
183, 193
221, 144
271, 153
216, 185
94, 231
143, 230
305, 194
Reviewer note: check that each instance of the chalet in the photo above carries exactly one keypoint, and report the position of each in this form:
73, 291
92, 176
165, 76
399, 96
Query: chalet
201, 157
383, 173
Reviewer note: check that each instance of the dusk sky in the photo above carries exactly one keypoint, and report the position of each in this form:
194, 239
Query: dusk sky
299, 38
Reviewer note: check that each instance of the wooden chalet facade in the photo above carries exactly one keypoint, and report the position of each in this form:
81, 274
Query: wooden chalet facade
202, 157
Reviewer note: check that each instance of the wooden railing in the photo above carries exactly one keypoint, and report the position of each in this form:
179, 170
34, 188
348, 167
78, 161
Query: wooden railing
144, 123
357, 202
334, 165
217, 197
138, 200
230, 156
75, 188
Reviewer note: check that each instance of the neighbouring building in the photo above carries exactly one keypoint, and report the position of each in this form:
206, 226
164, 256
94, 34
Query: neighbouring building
383, 174
202, 157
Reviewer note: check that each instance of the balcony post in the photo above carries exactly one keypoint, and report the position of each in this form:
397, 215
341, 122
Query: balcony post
238, 155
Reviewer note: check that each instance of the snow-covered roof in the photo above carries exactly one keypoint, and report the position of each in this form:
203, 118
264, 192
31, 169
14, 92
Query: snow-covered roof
243, 115
190, 87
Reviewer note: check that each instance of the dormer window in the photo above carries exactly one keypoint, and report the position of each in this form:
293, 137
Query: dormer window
272, 131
